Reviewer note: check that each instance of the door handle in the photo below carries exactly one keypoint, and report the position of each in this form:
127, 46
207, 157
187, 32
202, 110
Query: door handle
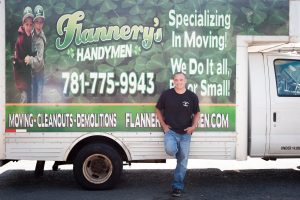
274, 116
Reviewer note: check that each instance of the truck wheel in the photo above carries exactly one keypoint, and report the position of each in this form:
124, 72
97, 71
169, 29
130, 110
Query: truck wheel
97, 167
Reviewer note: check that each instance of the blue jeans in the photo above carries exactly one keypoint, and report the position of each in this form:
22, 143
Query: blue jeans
178, 146
37, 87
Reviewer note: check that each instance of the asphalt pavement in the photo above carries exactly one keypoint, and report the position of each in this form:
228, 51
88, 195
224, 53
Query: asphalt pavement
228, 182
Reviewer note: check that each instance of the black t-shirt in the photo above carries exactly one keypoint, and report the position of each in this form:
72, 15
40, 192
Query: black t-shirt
178, 109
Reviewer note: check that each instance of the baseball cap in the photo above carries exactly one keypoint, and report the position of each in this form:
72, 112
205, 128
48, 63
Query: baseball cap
27, 13
38, 12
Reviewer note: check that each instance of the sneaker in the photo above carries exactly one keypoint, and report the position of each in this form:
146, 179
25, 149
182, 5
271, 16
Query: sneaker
176, 193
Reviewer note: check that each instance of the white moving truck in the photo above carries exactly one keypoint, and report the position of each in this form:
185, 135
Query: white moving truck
106, 63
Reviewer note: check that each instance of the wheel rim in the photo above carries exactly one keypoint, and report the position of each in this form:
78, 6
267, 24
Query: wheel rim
97, 168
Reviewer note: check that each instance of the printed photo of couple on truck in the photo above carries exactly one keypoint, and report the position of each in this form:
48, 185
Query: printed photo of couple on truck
28, 61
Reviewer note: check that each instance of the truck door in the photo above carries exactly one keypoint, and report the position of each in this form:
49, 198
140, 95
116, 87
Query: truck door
284, 88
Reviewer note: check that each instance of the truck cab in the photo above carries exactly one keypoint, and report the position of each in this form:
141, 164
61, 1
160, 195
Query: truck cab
274, 103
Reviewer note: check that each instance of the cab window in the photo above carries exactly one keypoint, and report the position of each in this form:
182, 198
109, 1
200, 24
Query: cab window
287, 74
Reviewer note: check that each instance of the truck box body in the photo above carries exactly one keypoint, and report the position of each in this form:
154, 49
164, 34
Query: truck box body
107, 62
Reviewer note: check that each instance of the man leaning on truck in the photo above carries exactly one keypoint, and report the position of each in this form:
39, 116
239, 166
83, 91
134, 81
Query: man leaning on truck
178, 113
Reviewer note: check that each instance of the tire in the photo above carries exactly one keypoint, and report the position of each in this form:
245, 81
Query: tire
97, 167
